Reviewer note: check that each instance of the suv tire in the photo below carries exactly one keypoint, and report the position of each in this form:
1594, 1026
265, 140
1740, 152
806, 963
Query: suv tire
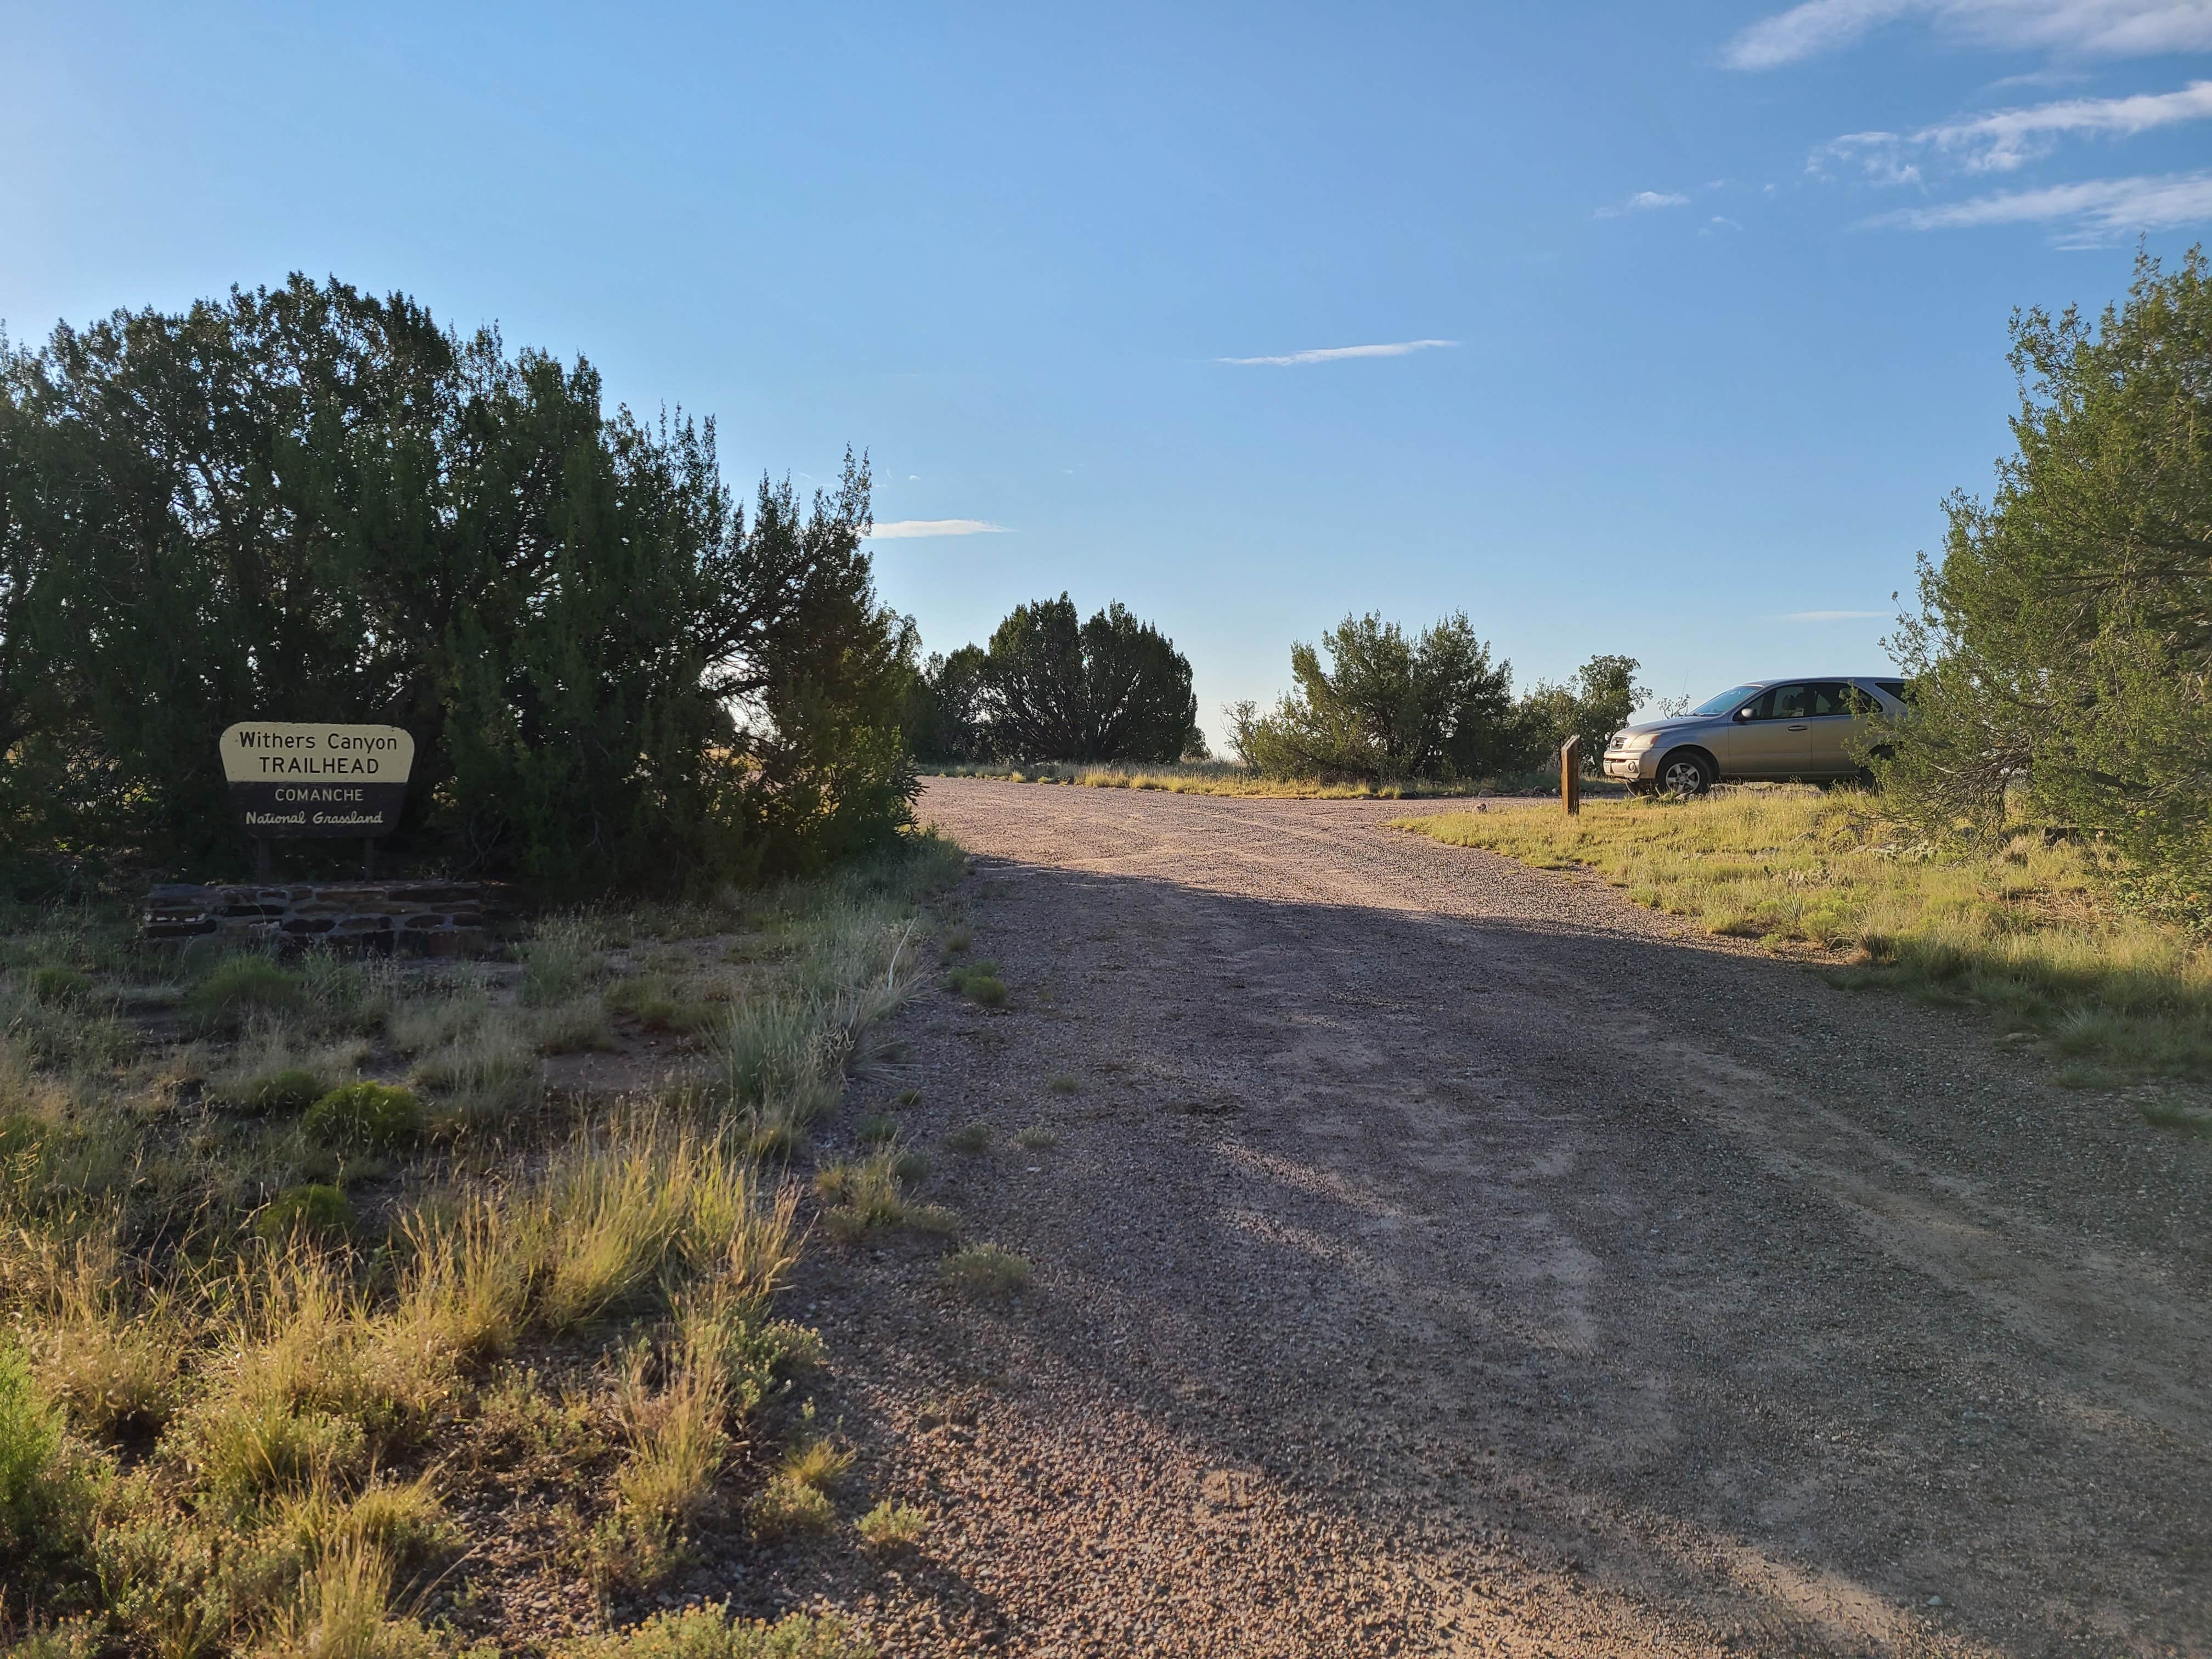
1685, 772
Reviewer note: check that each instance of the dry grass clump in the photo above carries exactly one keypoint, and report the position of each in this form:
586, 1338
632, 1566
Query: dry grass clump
711, 1633
1036, 1138
970, 1138
2028, 926
985, 1270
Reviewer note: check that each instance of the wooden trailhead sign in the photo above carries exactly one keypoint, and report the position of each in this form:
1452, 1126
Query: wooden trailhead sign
291, 780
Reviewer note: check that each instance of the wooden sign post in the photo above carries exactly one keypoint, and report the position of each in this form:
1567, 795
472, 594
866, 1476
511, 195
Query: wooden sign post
1571, 775
294, 781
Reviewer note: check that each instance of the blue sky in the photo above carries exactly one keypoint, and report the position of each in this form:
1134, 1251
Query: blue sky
1692, 313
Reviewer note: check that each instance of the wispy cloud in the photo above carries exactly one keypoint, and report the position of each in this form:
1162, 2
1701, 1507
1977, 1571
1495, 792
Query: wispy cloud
2006, 139
1827, 616
1643, 202
900, 529
1339, 354
2105, 28
2085, 214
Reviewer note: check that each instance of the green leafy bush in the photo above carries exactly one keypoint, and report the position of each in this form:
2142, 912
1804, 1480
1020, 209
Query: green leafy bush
366, 1117
602, 600
317, 1212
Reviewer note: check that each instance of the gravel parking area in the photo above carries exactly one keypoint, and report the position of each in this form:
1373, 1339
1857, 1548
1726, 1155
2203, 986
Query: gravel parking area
1442, 1257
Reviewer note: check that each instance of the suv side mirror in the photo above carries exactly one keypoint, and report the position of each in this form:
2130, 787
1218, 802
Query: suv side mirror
1741, 714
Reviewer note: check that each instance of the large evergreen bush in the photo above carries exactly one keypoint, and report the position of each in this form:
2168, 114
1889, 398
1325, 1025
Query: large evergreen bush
309, 503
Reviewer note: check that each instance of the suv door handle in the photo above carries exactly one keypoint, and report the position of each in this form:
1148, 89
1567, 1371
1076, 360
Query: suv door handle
1800, 728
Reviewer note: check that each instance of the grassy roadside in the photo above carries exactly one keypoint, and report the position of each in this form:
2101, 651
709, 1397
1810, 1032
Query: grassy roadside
2029, 930
1226, 778
338, 1324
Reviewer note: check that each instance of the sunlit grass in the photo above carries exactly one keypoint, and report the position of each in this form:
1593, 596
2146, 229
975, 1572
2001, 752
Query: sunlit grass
2029, 929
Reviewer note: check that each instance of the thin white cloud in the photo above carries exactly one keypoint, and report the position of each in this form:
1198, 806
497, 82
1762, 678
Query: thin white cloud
2000, 141
1827, 616
900, 529
2103, 28
1643, 202
1723, 221
2085, 214
2005, 140
1339, 354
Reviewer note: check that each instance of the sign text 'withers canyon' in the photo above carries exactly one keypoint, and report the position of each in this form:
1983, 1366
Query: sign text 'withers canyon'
289, 778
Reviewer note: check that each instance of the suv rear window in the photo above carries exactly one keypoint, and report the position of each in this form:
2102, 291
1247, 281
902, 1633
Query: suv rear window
1896, 689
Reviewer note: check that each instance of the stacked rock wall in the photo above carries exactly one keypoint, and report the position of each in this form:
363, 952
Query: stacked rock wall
429, 918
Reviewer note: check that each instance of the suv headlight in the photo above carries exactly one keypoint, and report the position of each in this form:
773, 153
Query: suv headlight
1634, 743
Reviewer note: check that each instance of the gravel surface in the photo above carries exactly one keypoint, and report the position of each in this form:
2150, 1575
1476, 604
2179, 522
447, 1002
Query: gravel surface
1440, 1256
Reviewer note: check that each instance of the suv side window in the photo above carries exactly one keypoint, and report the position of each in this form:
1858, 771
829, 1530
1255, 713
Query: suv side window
1833, 697
1782, 702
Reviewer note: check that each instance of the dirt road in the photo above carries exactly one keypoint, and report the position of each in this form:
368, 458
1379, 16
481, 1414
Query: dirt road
1442, 1257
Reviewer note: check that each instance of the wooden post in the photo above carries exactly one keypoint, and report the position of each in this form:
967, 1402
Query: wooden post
1571, 775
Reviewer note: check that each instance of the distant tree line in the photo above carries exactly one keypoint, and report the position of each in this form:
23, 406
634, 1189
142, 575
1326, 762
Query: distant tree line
1392, 705
2061, 652
313, 504
1050, 687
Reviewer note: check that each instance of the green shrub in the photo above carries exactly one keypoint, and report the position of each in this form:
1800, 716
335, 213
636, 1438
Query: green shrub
876, 1130
970, 1137
320, 1212
366, 1118
237, 985
710, 1633
292, 1089
979, 983
59, 986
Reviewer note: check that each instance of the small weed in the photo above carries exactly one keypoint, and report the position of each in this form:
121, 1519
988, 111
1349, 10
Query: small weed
874, 1131
2172, 1115
981, 987
891, 1526
938, 1220
1063, 1085
2085, 1074
784, 1507
987, 1270
369, 1117
957, 941
909, 1097
814, 1463
974, 1136
1037, 1138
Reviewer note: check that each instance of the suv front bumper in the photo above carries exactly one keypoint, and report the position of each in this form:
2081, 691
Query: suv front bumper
1632, 765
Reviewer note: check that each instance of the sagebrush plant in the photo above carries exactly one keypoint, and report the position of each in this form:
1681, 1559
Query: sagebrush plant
2027, 925
255, 1329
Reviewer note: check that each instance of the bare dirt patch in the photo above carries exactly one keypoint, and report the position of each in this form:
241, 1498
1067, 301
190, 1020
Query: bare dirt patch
1438, 1256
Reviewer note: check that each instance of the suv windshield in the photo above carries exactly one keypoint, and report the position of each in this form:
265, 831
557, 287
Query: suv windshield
1727, 703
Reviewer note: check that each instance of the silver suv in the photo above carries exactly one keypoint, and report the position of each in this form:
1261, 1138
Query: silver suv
1803, 730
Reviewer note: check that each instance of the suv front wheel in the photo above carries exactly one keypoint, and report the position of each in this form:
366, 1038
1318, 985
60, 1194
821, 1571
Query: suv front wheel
1685, 772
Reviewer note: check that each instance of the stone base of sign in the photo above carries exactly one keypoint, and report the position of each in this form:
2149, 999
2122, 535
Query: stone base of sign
418, 918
